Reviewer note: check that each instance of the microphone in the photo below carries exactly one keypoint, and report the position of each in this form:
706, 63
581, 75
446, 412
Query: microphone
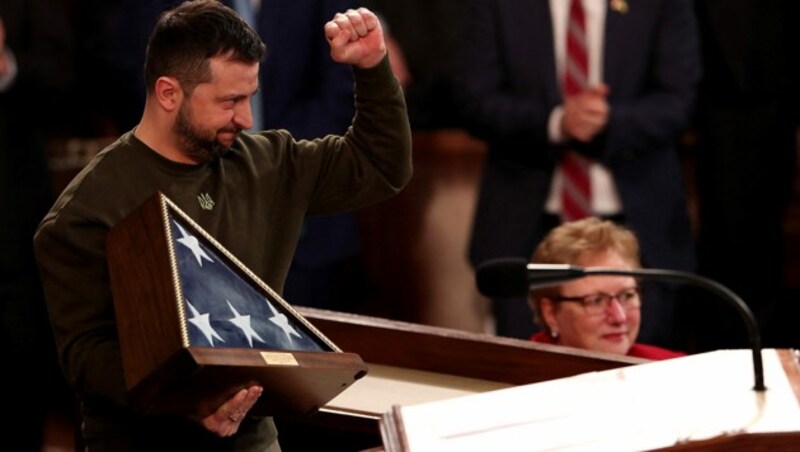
514, 277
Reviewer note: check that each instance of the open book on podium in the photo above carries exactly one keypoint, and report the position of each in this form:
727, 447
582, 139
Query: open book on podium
196, 326
704, 401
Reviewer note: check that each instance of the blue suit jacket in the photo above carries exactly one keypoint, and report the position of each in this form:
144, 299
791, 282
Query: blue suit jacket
508, 87
303, 89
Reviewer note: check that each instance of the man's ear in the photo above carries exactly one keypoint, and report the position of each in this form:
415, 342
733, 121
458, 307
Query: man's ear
168, 93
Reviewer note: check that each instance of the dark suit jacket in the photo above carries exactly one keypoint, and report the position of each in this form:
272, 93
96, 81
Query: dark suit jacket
303, 89
509, 87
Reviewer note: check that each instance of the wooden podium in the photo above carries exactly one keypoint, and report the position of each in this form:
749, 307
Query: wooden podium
195, 325
411, 363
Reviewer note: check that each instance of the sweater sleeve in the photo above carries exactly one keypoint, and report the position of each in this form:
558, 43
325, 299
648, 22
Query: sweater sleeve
372, 161
71, 259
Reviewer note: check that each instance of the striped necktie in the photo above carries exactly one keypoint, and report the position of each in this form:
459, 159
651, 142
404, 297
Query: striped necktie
576, 194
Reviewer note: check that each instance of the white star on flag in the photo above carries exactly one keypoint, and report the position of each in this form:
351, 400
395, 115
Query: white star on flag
203, 322
243, 322
191, 242
282, 321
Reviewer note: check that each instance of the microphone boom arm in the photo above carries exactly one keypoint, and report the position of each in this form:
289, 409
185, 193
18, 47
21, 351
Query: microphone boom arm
713, 286
514, 277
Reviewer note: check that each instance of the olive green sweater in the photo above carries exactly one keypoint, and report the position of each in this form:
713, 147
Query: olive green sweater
261, 191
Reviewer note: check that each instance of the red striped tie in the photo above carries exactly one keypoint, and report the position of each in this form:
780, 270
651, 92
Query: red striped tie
576, 195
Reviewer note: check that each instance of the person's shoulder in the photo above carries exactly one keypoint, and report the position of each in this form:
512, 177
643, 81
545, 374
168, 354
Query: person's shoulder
541, 337
653, 352
87, 183
270, 143
261, 138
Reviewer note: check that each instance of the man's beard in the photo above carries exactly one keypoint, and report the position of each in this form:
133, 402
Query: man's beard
191, 141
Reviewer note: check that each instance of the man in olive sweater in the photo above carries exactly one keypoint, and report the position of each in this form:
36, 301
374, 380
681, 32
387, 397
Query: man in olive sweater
251, 192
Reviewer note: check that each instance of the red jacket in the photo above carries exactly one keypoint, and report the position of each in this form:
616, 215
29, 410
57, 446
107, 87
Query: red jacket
636, 350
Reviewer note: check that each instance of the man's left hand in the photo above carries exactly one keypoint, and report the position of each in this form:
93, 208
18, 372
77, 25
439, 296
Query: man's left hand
226, 420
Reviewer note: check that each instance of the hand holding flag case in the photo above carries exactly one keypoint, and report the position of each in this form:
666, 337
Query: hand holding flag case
195, 325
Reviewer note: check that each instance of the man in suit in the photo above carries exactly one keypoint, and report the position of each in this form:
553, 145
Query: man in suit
644, 66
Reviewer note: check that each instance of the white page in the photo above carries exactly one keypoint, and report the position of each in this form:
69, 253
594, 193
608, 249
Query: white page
639, 407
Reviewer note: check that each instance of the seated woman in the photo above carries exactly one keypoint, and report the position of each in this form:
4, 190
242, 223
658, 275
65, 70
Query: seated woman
599, 313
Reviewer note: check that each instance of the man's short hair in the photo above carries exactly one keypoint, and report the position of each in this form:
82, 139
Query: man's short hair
186, 37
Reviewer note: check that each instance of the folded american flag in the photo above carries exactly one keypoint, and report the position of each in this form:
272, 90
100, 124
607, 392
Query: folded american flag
224, 310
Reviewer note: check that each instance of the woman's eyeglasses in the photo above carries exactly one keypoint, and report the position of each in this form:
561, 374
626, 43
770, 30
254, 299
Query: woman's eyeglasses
597, 304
